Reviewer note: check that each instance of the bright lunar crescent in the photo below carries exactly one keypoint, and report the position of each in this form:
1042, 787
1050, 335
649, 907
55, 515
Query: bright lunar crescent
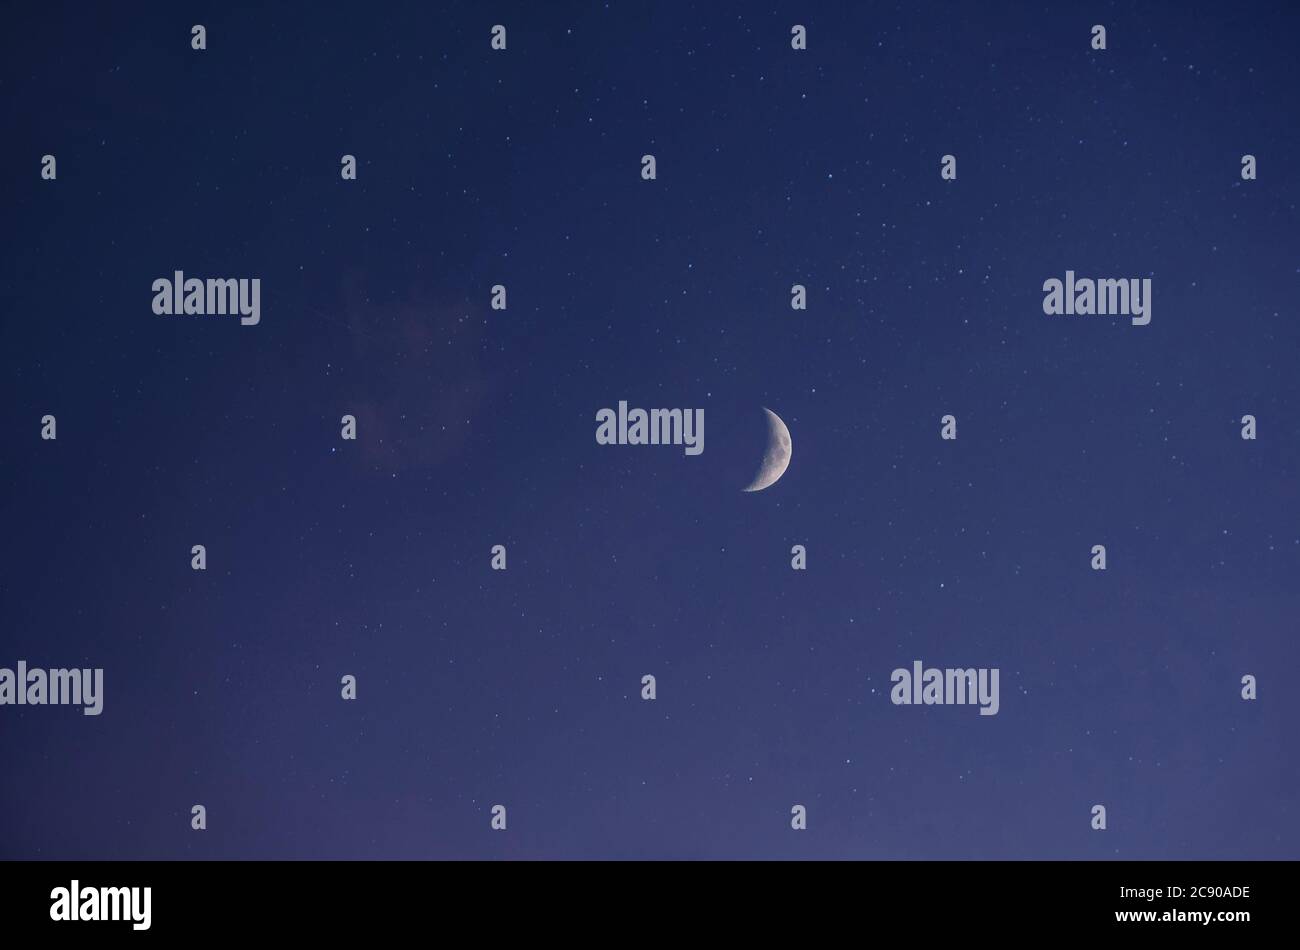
777, 457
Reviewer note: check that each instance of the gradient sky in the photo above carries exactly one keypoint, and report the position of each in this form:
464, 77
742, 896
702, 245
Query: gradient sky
476, 428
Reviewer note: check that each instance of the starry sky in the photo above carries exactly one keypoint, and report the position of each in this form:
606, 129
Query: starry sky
476, 427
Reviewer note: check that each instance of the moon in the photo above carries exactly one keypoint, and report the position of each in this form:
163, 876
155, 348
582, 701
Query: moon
777, 457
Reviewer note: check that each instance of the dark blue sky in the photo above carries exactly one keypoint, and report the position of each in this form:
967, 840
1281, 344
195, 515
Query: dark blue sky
476, 428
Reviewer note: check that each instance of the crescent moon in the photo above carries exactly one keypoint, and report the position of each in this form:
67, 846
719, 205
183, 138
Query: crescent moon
777, 457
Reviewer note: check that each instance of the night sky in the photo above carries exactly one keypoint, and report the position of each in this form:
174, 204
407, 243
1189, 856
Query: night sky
476, 427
